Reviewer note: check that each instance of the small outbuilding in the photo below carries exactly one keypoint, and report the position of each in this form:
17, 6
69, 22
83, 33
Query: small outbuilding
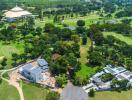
71, 92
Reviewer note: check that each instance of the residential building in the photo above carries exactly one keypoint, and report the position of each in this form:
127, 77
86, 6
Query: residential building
33, 72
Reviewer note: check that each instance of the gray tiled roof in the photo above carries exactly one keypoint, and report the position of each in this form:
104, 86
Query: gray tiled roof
27, 67
42, 62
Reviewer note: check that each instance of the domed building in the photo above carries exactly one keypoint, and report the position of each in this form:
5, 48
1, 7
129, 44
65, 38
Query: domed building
16, 13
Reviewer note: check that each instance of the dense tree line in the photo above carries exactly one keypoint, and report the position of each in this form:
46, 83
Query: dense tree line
127, 12
122, 28
108, 50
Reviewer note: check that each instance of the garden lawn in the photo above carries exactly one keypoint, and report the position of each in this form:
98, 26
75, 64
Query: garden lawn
127, 39
8, 50
8, 92
85, 71
89, 19
110, 95
32, 92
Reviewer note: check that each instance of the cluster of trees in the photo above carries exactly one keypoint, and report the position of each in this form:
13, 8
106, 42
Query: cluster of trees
81, 8
127, 12
122, 28
59, 46
53, 96
61, 80
91, 93
7, 37
3, 61
109, 50
119, 85
107, 77
109, 7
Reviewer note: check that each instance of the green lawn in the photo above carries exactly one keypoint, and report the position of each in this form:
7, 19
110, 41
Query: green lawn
89, 19
85, 71
127, 39
8, 92
124, 95
32, 92
8, 49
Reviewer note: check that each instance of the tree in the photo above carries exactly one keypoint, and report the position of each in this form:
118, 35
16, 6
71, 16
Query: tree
52, 96
65, 34
3, 62
110, 40
0, 80
79, 81
58, 65
107, 77
120, 85
48, 27
98, 38
38, 31
91, 93
129, 64
61, 80
55, 18
95, 58
81, 23
84, 39
80, 29
75, 38
1, 67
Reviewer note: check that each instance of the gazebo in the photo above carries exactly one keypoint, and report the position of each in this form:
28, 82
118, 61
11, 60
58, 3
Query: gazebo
16, 13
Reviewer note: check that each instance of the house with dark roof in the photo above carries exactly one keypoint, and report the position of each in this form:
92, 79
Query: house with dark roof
34, 72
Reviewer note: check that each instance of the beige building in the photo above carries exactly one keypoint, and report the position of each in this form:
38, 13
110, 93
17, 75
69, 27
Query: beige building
16, 13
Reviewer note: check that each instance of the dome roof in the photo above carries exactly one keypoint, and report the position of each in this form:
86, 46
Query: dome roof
15, 9
17, 12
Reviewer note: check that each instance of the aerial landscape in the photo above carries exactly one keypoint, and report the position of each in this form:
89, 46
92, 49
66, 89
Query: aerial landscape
65, 49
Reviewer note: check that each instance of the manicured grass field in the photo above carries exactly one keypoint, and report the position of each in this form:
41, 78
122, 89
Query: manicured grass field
127, 39
8, 49
32, 92
8, 92
124, 95
89, 19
